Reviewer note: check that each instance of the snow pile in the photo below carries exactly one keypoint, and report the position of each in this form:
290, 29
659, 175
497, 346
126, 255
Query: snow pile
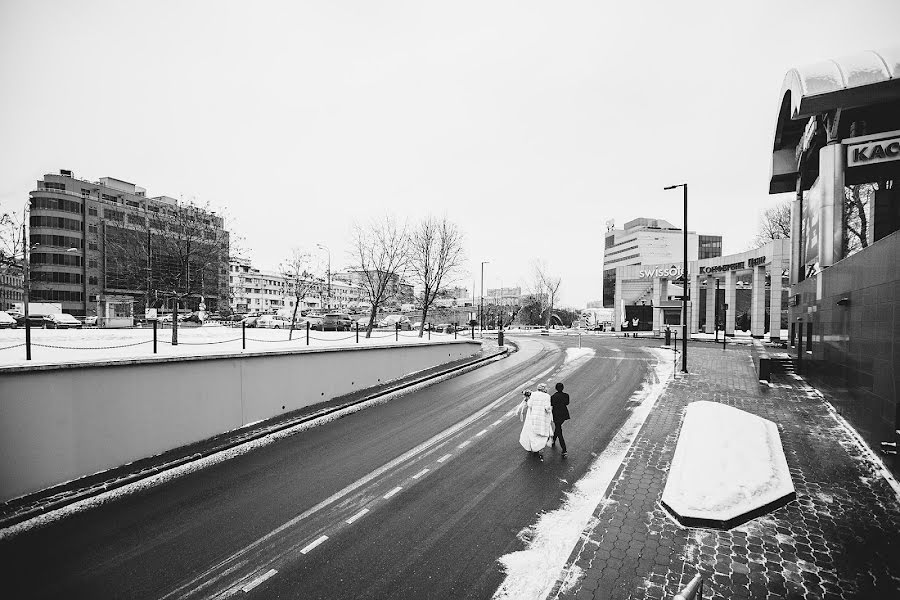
727, 463
533, 572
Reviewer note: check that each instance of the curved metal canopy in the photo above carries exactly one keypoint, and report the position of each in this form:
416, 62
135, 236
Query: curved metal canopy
861, 79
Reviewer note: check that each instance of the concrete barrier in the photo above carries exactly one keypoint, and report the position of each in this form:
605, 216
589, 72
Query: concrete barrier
62, 422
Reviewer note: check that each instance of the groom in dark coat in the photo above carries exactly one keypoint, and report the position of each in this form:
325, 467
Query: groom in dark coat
560, 404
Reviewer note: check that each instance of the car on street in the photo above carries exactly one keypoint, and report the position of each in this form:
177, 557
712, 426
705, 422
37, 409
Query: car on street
444, 328
90, 321
272, 322
314, 319
63, 321
334, 322
6, 321
391, 321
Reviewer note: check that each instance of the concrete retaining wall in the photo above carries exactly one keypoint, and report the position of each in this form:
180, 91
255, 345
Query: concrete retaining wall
61, 422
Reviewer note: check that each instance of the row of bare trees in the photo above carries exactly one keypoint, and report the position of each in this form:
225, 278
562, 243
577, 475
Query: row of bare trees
429, 254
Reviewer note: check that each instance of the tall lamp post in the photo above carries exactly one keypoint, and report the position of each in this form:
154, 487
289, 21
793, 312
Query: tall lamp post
326, 249
481, 305
684, 289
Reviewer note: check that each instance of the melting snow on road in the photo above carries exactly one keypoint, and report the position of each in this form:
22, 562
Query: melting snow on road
532, 573
574, 360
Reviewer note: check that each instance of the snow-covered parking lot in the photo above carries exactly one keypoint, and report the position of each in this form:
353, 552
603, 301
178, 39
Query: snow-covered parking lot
87, 345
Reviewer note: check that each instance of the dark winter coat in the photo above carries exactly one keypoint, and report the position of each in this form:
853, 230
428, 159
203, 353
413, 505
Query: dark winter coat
560, 402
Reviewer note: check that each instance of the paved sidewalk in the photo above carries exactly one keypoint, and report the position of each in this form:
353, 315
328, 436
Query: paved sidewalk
839, 539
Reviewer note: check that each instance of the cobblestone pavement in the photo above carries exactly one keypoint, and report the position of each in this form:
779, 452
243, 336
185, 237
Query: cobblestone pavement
839, 539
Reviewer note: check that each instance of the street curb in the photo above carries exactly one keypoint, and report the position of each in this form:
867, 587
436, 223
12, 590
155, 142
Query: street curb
377, 398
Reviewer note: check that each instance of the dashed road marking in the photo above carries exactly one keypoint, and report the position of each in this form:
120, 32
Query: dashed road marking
420, 473
464, 444
392, 492
314, 544
357, 515
258, 580
444, 457
497, 422
482, 432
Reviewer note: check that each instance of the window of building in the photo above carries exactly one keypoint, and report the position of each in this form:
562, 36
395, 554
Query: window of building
54, 185
48, 258
92, 280
113, 215
55, 222
92, 264
92, 246
92, 229
62, 204
137, 220
871, 211
609, 288
92, 212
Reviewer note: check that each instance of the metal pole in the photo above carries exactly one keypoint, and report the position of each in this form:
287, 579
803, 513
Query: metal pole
26, 288
397, 332
154, 335
717, 310
481, 301
724, 328
357, 332
429, 331
684, 291
307, 333
243, 335
455, 329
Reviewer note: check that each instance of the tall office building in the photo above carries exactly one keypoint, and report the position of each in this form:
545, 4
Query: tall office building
91, 240
650, 242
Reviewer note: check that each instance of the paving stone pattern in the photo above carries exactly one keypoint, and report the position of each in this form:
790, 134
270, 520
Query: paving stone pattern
838, 539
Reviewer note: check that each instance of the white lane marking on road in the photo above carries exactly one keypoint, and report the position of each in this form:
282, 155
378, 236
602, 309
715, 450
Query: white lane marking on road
392, 492
420, 473
444, 457
497, 422
258, 580
615, 349
464, 444
313, 544
197, 583
357, 516
482, 432
532, 573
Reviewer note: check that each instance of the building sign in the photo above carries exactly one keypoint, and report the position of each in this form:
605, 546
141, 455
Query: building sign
878, 151
668, 272
756, 261
720, 268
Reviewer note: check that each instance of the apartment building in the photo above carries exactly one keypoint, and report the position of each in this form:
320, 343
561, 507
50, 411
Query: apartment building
94, 239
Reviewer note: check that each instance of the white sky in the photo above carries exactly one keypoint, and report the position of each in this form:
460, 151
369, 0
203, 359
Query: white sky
527, 123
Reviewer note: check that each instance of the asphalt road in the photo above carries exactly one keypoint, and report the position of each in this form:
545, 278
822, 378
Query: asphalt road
416, 498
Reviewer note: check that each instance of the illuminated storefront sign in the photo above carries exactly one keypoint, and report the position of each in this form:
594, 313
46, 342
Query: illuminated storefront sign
878, 151
668, 272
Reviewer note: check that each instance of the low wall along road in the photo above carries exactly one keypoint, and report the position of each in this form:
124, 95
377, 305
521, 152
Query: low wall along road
62, 422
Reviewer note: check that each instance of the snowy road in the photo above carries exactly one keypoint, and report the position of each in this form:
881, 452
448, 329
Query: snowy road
418, 498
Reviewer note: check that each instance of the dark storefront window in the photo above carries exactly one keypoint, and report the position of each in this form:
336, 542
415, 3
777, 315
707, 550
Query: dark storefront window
871, 211
709, 246
609, 288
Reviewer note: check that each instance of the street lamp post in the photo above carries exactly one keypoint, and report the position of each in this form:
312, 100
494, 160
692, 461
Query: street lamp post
684, 289
323, 247
481, 305
26, 290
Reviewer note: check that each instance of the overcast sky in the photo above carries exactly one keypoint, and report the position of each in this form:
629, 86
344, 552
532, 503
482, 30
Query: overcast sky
530, 124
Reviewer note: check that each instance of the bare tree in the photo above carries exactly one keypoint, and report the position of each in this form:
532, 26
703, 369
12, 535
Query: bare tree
857, 201
775, 224
380, 256
297, 271
11, 246
435, 259
548, 284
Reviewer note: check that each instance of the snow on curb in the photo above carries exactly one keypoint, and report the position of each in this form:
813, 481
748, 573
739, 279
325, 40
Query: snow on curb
532, 573
223, 455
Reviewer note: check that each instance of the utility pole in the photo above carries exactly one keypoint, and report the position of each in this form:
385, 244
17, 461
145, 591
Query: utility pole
481, 306
26, 289
685, 288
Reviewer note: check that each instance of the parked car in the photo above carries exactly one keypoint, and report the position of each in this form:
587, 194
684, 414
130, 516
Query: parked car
444, 328
194, 317
391, 321
35, 321
63, 321
90, 321
272, 322
6, 321
334, 322
250, 320
363, 322
314, 320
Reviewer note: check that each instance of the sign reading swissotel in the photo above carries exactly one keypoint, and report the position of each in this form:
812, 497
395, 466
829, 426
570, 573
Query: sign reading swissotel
877, 151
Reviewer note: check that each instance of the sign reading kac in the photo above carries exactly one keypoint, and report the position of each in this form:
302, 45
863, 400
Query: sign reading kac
877, 151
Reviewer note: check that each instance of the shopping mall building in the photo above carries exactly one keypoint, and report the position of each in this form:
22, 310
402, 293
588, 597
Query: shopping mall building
727, 293
837, 151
